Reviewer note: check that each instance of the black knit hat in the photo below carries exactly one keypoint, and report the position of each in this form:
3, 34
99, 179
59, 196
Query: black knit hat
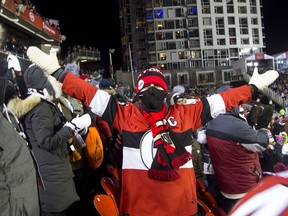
35, 78
105, 84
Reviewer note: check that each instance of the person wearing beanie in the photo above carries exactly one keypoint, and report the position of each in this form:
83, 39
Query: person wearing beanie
95, 79
178, 89
157, 172
105, 84
102, 125
153, 75
50, 134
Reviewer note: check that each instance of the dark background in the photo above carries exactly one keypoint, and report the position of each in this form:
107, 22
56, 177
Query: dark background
89, 23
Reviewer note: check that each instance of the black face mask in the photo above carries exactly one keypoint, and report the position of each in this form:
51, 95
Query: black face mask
152, 99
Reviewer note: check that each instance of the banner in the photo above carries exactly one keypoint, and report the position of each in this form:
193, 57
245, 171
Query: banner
37, 21
259, 56
34, 19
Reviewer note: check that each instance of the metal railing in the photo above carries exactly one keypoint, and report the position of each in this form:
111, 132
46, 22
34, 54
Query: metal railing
81, 54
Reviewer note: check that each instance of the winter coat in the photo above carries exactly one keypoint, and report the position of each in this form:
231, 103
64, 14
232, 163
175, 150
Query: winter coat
233, 146
140, 194
48, 137
18, 183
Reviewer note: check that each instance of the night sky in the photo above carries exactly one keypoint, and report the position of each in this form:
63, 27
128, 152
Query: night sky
87, 24
275, 26
103, 29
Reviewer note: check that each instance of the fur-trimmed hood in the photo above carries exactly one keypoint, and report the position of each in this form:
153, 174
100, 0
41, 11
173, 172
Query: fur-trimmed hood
40, 86
20, 107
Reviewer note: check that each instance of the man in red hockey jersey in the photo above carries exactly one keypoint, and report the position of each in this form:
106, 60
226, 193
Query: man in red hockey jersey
157, 171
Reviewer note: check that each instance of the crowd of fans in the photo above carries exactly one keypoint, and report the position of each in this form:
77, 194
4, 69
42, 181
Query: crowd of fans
272, 158
281, 85
60, 122
11, 45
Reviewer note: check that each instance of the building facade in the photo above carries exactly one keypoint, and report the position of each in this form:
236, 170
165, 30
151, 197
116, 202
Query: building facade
196, 39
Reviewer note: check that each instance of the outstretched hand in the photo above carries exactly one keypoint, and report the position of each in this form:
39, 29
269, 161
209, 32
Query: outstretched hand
48, 63
79, 123
262, 81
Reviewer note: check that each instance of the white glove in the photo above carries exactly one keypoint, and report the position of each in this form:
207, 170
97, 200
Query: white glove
262, 81
176, 98
48, 63
201, 136
79, 123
